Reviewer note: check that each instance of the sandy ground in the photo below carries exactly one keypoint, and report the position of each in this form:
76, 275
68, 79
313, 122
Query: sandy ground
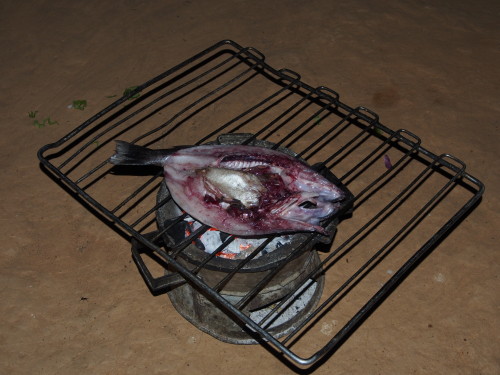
72, 301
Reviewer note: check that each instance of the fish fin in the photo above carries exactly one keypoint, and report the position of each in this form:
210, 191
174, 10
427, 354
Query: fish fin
307, 227
130, 154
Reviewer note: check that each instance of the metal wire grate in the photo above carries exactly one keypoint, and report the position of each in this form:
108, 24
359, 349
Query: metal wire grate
405, 197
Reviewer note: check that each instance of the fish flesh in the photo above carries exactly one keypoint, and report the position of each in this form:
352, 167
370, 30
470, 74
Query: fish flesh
241, 190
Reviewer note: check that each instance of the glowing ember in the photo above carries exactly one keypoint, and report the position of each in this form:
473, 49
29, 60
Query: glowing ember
245, 247
239, 248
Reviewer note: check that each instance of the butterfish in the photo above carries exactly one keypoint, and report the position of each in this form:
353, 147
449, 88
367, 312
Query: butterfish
241, 190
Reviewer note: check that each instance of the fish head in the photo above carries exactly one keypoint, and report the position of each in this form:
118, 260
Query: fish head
314, 186
305, 210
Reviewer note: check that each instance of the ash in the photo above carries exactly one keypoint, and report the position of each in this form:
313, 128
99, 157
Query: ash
239, 248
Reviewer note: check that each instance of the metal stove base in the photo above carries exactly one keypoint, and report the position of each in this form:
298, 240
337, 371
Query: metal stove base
202, 313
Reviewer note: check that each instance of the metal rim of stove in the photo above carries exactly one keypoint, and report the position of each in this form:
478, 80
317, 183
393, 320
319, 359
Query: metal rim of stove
79, 144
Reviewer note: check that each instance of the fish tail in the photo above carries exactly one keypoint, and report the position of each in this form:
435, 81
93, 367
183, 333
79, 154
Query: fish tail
129, 154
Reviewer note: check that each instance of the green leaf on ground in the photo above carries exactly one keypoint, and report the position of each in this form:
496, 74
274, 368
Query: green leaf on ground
79, 104
45, 121
129, 90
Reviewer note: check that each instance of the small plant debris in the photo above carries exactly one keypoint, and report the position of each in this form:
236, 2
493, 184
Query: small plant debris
43, 123
78, 104
38, 124
387, 162
129, 90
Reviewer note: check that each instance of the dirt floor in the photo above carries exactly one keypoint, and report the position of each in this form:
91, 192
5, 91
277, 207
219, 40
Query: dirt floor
72, 300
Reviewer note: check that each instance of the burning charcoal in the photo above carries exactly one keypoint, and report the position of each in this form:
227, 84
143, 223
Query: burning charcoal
199, 244
239, 248
178, 231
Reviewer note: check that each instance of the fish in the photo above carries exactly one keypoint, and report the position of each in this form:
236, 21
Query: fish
239, 189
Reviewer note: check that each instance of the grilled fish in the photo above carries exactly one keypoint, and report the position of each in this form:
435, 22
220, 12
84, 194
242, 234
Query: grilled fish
241, 190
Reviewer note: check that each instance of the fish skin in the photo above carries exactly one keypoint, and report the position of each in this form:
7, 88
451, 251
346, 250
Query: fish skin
271, 187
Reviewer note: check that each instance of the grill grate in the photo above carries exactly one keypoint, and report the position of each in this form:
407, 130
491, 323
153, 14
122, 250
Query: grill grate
405, 197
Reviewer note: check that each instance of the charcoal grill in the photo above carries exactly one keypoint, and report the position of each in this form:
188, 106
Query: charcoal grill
404, 200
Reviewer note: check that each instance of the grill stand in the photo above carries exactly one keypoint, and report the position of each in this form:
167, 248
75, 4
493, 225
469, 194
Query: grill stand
204, 315
409, 206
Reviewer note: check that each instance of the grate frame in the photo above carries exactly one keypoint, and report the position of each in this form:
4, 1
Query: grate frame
278, 107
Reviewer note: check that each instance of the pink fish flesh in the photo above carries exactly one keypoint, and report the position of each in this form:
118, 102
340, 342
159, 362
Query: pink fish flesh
241, 190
